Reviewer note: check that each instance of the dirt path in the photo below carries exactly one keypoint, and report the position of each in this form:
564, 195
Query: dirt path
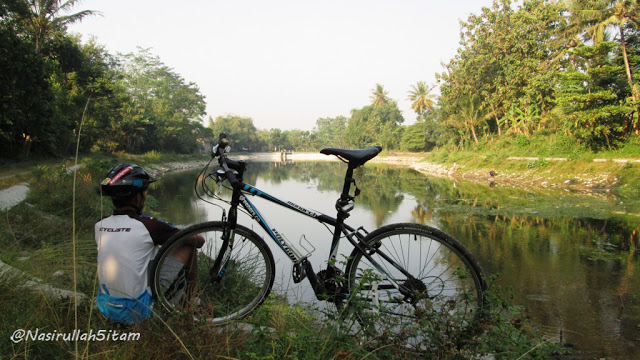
12, 196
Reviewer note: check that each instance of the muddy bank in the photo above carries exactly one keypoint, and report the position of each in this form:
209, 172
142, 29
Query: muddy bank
530, 179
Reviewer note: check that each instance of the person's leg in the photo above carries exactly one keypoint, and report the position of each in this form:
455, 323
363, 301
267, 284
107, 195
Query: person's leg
188, 256
172, 279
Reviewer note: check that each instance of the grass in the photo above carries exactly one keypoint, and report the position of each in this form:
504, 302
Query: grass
493, 155
285, 332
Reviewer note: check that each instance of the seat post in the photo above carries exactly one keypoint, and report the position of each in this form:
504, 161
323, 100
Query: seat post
348, 179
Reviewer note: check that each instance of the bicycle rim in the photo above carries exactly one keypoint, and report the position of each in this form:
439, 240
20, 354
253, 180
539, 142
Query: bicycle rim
447, 286
246, 282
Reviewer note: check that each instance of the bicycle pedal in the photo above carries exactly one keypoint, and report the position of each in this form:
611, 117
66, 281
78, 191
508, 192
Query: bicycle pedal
298, 273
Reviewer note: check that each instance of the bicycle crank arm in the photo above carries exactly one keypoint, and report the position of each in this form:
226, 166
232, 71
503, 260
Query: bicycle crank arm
316, 285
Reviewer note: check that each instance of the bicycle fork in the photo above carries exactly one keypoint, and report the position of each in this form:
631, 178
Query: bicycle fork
222, 259
220, 265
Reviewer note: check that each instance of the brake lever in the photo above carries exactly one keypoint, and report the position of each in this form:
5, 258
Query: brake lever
219, 180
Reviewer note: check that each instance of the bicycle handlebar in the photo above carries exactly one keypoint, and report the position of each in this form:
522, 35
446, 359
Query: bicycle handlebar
227, 164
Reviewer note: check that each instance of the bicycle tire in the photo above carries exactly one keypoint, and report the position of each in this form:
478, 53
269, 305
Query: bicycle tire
246, 283
449, 280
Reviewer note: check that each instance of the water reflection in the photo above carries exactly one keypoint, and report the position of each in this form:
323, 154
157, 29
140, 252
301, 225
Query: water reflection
571, 260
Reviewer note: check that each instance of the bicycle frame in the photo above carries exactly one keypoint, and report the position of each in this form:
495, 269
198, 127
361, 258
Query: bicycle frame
292, 252
353, 235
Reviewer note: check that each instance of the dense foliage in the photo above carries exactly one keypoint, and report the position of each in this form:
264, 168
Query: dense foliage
531, 68
554, 74
53, 89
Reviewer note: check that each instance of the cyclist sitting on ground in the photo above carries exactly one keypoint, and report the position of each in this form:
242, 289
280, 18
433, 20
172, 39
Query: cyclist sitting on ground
127, 243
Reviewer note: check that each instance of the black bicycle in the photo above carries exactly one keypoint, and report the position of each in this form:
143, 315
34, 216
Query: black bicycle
395, 274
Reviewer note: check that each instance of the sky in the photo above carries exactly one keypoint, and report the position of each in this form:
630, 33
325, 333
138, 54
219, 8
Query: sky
287, 63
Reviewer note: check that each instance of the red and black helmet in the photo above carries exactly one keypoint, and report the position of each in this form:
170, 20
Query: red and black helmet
125, 180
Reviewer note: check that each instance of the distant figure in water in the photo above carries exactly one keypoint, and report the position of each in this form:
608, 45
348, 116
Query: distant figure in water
453, 169
492, 178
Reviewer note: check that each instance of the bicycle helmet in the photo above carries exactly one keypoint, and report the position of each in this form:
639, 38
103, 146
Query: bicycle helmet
125, 180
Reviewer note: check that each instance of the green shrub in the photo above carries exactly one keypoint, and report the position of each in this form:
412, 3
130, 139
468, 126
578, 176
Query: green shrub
522, 141
538, 164
443, 157
630, 148
152, 157
52, 192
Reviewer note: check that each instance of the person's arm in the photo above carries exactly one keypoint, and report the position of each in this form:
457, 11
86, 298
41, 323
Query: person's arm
195, 240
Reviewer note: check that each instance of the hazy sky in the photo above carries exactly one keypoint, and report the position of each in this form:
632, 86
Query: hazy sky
286, 63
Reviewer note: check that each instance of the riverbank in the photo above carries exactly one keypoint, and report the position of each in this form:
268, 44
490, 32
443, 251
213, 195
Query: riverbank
586, 176
620, 176
596, 175
590, 176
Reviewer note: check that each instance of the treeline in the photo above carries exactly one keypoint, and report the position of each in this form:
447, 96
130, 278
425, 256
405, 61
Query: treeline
373, 124
541, 68
54, 89
547, 67
379, 123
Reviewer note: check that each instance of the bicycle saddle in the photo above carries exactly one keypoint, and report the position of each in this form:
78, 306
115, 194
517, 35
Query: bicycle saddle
355, 158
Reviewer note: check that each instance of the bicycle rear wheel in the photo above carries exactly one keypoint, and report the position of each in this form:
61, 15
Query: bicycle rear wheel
247, 280
446, 282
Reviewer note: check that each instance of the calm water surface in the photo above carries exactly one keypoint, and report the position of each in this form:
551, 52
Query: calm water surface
569, 258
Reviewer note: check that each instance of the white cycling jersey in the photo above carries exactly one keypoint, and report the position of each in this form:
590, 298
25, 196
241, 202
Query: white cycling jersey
127, 243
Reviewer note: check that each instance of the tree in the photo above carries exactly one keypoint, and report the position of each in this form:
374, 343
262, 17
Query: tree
241, 132
421, 98
414, 137
374, 125
501, 66
470, 113
595, 110
330, 131
136, 103
43, 17
299, 140
380, 96
81, 75
26, 98
596, 16
166, 111
275, 140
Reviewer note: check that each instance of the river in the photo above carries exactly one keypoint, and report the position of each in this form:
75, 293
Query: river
572, 260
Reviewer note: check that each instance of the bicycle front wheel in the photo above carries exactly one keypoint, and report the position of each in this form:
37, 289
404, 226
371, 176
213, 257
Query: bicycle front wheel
444, 282
248, 274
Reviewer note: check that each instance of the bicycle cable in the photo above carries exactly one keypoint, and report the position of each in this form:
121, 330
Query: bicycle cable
205, 190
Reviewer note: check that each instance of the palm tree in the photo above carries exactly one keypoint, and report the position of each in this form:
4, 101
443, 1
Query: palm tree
42, 17
379, 96
471, 114
421, 98
595, 16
